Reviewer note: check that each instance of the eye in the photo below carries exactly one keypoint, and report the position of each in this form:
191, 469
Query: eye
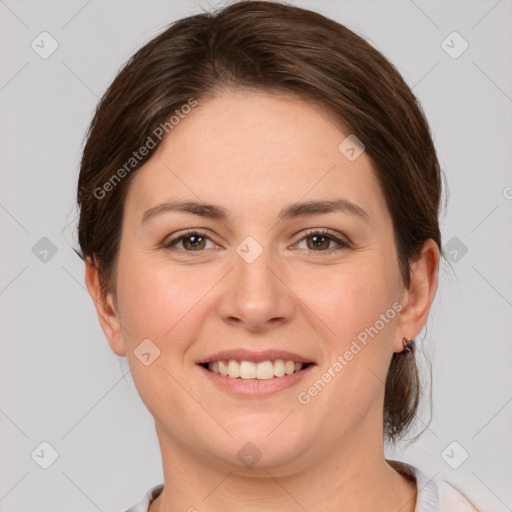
316, 241
192, 241
321, 241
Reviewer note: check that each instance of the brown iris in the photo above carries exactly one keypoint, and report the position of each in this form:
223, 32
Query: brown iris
316, 238
196, 242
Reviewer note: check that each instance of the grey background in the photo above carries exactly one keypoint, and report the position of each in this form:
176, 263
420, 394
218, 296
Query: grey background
60, 382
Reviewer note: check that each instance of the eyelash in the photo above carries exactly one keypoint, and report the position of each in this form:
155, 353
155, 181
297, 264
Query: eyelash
322, 232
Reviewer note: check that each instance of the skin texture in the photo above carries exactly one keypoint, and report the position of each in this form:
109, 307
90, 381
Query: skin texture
253, 154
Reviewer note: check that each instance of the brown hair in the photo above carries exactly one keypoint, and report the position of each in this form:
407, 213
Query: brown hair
268, 46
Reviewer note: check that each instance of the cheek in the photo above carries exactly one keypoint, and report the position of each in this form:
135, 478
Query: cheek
161, 314
349, 298
155, 302
356, 304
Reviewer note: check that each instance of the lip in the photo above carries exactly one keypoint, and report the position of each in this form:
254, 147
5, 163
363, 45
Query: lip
255, 387
243, 354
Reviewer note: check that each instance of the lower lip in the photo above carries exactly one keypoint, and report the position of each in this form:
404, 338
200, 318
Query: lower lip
255, 387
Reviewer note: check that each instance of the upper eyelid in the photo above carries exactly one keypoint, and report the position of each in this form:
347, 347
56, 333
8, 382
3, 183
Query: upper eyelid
186, 234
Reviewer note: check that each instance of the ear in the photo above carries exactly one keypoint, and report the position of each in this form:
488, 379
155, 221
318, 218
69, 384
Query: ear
416, 300
107, 315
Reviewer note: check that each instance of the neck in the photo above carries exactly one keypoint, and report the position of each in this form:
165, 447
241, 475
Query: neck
345, 477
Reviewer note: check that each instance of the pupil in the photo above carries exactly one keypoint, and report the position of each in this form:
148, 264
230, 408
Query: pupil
320, 239
194, 240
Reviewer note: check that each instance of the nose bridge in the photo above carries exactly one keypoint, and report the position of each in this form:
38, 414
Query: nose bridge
253, 294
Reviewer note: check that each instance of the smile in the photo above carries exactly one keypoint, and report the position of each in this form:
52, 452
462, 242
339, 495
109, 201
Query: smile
261, 370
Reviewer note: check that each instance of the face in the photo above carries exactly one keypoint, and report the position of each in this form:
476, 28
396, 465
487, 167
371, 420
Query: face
254, 280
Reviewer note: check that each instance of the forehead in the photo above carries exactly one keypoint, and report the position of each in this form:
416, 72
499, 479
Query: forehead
254, 152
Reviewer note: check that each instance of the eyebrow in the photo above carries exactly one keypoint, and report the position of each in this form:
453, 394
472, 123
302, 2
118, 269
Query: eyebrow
291, 211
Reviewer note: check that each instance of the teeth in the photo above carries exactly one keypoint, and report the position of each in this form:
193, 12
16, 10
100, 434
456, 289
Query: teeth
279, 370
223, 368
247, 369
250, 370
265, 370
233, 369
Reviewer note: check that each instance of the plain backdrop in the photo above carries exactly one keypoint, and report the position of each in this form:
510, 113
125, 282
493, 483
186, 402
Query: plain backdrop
61, 385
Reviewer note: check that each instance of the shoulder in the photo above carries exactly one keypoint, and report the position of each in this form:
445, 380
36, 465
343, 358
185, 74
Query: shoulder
149, 497
440, 495
434, 495
451, 499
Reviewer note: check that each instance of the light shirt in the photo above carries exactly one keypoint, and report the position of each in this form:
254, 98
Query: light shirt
431, 496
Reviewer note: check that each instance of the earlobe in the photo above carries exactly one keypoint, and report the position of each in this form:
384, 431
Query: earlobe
105, 309
420, 295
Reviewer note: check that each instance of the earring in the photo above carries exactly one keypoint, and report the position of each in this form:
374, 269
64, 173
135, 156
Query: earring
408, 345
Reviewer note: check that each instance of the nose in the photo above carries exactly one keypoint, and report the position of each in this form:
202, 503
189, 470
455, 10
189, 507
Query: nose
255, 294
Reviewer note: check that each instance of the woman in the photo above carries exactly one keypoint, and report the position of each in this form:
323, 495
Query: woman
259, 197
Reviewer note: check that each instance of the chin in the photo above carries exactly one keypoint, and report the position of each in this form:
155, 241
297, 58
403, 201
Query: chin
262, 445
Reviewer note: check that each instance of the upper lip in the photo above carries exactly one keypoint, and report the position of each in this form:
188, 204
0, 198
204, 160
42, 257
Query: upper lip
242, 354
